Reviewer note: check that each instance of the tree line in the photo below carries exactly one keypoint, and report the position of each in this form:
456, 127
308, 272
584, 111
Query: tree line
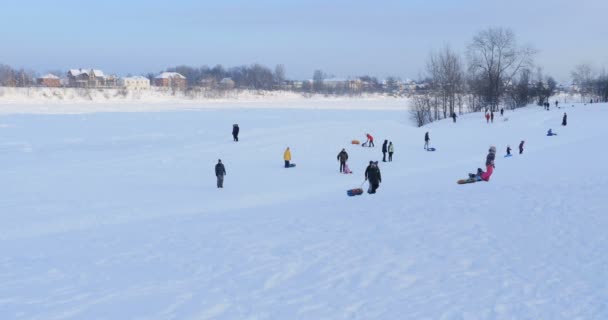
495, 72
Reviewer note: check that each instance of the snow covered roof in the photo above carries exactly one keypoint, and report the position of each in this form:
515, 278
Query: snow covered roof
49, 76
167, 75
94, 72
135, 78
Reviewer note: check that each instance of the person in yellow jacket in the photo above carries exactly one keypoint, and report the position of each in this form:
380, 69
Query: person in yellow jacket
287, 157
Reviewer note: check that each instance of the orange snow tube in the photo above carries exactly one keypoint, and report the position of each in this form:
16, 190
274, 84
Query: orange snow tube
355, 142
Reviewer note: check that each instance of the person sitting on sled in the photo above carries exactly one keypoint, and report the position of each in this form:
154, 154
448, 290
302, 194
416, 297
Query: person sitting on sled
481, 175
550, 133
346, 169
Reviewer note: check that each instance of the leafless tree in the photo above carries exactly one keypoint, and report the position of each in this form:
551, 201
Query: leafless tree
582, 77
279, 74
495, 58
446, 73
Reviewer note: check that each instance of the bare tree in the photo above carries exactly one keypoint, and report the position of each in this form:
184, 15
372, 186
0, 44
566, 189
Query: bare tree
495, 57
446, 78
279, 74
582, 77
317, 81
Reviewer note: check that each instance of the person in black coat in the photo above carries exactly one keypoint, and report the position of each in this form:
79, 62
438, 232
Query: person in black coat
220, 172
235, 132
521, 147
342, 157
454, 116
565, 120
426, 140
384, 150
372, 173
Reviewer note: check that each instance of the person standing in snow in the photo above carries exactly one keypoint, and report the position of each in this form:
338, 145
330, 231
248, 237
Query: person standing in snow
391, 149
372, 173
342, 157
556, 103
492, 116
287, 157
521, 147
220, 172
370, 140
565, 120
487, 118
426, 140
384, 150
491, 156
235, 132
454, 116
508, 150
502, 111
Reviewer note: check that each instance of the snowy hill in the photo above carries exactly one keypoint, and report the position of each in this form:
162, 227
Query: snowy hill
116, 216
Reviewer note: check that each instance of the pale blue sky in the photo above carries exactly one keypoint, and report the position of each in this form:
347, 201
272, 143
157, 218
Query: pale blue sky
344, 38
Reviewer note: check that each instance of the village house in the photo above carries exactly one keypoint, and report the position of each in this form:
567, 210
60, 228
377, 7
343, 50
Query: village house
88, 78
135, 83
170, 80
49, 80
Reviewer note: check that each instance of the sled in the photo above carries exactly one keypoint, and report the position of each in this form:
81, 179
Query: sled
354, 192
355, 142
292, 165
430, 149
464, 181
551, 135
508, 155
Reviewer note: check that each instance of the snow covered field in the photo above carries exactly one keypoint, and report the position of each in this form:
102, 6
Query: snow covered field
116, 216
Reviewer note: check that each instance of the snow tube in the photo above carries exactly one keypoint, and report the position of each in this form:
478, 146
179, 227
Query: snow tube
430, 149
355, 142
354, 192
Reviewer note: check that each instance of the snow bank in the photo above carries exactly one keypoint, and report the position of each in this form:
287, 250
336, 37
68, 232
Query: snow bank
71, 100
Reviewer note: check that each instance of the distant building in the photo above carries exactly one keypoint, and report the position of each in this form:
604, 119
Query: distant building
227, 84
170, 80
89, 78
49, 80
135, 83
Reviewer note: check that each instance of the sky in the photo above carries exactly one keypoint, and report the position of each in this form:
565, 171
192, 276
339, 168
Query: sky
343, 38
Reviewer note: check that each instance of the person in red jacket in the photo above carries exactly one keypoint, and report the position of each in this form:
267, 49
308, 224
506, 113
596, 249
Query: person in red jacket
370, 140
487, 118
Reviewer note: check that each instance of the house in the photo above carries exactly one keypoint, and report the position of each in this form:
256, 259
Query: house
88, 78
227, 84
170, 80
135, 83
49, 80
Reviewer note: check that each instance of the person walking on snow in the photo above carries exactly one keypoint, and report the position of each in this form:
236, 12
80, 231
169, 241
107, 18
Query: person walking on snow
508, 150
565, 120
556, 103
384, 150
287, 157
487, 118
370, 140
454, 116
373, 175
391, 149
521, 147
235, 132
426, 140
220, 172
342, 157
502, 111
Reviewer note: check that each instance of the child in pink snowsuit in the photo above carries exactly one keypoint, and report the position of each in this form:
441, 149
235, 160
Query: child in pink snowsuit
346, 169
485, 176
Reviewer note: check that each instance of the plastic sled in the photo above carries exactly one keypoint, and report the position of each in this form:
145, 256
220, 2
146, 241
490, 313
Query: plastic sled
430, 149
508, 155
354, 192
355, 142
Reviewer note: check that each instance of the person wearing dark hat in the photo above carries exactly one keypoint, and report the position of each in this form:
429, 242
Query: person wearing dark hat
342, 157
220, 172
565, 120
521, 147
235, 132
384, 150
374, 177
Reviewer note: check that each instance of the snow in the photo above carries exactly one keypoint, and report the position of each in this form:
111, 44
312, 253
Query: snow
116, 216
167, 75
